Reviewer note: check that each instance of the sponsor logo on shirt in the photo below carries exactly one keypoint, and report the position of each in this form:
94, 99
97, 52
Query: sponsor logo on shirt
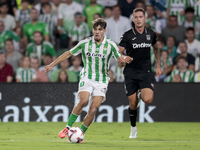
142, 45
89, 54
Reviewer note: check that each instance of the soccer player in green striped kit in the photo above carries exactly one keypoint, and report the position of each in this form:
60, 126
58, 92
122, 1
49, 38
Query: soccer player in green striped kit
96, 53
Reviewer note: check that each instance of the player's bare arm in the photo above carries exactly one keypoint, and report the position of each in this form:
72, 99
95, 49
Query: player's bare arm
127, 59
157, 55
57, 61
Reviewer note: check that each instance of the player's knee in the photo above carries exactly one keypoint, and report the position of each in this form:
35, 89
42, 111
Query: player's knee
83, 102
148, 100
92, 111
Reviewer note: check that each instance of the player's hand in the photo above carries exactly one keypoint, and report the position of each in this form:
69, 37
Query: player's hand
47, 68
158, 71
128, 59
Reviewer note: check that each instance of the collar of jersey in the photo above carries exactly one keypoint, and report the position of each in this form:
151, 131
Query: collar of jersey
135, 31
104, 40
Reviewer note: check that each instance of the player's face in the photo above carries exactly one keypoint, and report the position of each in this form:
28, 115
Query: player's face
190, 35
9, 46
139, 19
98, 33
37, 38
182, 64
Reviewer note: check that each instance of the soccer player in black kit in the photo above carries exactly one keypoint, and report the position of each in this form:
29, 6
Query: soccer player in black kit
138, 77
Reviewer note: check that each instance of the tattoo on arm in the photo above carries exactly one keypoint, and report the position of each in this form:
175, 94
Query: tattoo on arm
157, 54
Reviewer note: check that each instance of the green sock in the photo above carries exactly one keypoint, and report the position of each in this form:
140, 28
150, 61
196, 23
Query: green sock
72, 119
84, 128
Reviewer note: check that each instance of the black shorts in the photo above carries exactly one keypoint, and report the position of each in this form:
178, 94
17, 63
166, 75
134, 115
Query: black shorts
132, 85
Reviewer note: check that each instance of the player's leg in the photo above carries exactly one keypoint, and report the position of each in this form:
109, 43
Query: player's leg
95, 103
147, 95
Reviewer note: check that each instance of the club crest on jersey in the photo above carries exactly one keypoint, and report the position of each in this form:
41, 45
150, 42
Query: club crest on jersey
148, 37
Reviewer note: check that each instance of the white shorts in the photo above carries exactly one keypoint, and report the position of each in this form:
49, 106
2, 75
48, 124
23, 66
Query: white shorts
93, 87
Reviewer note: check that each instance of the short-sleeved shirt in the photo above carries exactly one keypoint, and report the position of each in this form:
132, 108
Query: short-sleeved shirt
138, 47
89, 12
71, 76
187, 76
25, 75
79, 33
45, 48
96, 58
9, 22
7, 34
190, 59
29, 29
6, 71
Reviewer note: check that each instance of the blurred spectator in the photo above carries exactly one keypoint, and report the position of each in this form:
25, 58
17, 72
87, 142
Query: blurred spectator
84, 3
177, 78
89, 12
117, 25
23, 15
160, 44
166, 65
109, 3
31, 4
173, 30
127, 6
25, 73
34, 25
107, 12
12, 6
196, 5
62, 77
48, 60
111, 74
160, 10
190, 20
56, 5
186, 75
9, 21
66, 20
192, 44
170, 46
6, 34
40, 48
50, 20
64, 65
96, 16
183, 52
40, 76
6, 70
152, 22
79, 30
197, 77
13, 57
118, 72
177, 7
40, 6
76, 65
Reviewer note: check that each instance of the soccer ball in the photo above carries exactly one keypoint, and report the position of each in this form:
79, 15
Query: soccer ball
75, 135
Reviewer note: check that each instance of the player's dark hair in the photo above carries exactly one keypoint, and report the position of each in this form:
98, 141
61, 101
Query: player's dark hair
190, 29
27, 1
38, 32
99, 22
9, 40
138, 10
189, 10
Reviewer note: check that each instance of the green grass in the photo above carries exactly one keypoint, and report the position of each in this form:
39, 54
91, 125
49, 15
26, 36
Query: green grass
101, 136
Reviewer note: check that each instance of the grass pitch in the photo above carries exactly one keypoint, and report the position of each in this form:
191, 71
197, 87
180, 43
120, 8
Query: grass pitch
101, 136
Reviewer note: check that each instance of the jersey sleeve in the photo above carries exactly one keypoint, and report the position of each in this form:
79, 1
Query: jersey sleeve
155, 38
123, 41
115, 50
77, 49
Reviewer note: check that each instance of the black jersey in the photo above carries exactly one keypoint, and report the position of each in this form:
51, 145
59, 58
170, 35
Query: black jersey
138, 47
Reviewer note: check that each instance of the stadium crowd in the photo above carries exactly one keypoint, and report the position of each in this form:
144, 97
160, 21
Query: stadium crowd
34, 33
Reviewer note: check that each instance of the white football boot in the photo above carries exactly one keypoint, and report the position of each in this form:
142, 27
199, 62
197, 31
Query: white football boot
133, 133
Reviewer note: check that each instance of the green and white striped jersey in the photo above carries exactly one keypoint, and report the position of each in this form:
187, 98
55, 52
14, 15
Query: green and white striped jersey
79, 33
187, 76
196, 5
96, 58
25, 75
176, 6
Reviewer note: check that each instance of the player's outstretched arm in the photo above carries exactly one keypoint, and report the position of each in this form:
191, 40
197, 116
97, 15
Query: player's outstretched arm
157, 55
124, 59
57, 61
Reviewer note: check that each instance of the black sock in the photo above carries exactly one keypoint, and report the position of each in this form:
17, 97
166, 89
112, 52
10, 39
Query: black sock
133, 116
